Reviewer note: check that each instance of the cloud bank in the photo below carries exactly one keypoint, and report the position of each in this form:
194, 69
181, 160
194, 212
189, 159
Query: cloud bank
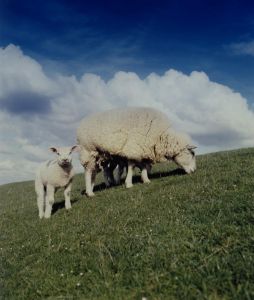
38, 111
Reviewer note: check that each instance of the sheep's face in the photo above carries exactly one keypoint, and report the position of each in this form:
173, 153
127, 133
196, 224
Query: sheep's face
64, 158
186, 159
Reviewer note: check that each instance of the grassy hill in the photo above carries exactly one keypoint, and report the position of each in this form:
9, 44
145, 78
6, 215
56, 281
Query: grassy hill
180, 237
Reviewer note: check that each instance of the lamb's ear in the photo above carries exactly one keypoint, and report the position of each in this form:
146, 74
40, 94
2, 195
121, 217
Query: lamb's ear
191, 147
53, 149
75, 148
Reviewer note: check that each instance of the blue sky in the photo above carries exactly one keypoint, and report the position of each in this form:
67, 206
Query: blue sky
62, 60
102, 37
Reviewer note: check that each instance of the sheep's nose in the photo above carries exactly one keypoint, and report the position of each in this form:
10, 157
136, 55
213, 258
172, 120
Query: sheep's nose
193, 170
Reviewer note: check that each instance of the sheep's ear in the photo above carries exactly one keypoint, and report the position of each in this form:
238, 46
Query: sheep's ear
75, 148
53, 149
191, 147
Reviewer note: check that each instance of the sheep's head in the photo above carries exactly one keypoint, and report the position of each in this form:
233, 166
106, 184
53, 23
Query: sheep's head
186, 159
64, 158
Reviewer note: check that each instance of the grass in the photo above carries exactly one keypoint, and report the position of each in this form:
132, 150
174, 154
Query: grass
180, 237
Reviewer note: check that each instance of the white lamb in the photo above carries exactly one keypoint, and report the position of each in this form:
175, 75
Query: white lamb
141, 135
52, 175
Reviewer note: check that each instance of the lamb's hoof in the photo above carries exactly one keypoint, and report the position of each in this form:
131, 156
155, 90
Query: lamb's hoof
147, 181
68, 207
90, 194
41, 216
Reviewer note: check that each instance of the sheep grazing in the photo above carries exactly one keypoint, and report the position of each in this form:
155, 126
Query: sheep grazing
140, 135
52, 175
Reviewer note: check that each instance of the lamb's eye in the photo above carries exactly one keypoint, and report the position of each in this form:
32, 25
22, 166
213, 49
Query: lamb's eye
70, 153
58, 153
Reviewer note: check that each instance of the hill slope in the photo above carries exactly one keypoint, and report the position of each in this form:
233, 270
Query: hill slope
180, 237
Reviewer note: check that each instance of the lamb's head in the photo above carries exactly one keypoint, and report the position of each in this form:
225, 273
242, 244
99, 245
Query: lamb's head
64, 158
186, 159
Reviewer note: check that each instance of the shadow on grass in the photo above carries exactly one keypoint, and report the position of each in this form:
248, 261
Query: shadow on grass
176, 172
61, 205
137, 179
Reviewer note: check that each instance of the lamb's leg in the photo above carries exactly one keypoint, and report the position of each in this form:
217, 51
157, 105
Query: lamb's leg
49, 200
144, 175
128, 180
88, 179
67, 195
39, 188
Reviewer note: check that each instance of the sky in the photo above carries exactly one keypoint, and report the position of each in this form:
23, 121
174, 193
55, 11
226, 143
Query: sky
63, 60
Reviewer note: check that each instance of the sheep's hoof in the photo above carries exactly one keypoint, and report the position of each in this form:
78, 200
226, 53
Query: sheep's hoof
47, 216
128, 186
68, 207
41, 215
90, 194
147, 181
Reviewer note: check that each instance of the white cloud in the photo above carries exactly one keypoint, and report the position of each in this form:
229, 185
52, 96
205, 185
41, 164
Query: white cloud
6, 165
246, 48
38, 111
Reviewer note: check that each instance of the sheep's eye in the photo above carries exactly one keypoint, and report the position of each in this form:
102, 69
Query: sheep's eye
58, 153
70, 153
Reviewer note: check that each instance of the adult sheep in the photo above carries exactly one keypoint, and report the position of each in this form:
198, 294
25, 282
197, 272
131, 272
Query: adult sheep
140, 134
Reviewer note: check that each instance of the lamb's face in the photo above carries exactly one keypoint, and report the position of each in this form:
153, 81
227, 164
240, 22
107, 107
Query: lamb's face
186, 159
64, 158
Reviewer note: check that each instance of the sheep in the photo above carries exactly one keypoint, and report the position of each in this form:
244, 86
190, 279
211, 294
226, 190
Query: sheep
52, 175
138, 134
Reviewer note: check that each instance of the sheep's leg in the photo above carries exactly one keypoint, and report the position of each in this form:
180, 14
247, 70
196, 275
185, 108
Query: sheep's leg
119, 173
94, 173
144, 175
39, 188
67, 195
128, 180
106, 176
88, 179
109, 173
49, 200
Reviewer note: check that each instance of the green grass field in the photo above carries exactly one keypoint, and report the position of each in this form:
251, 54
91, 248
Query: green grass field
180, 237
